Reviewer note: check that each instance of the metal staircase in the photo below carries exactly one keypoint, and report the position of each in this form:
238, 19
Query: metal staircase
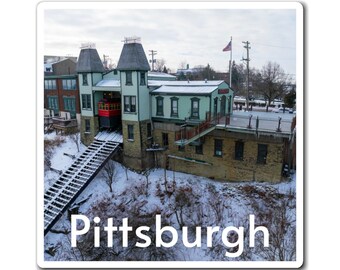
74, 180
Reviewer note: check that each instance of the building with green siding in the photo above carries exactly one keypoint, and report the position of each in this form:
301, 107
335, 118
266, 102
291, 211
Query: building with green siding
186, 126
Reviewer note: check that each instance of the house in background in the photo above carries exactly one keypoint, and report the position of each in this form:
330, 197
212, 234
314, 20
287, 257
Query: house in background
61, 96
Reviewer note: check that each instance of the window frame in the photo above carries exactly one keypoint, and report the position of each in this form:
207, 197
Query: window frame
69, 84
70, 105
165, 139
199, 149
181, 148
129, 107
50, 84
172, 101
159, 108
87, 126
262, 153
218, 148
142, 78
194, 112
130, 131
85, 81
148, 130
86, 102
53, 104
128, 78
239, 150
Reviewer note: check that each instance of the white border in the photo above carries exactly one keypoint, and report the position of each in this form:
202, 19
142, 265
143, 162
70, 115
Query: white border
41, 7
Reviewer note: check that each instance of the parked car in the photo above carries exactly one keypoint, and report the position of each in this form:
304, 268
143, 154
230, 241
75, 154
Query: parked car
278, 110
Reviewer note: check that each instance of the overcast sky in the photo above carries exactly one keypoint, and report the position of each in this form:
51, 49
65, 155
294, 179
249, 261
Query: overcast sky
196, 37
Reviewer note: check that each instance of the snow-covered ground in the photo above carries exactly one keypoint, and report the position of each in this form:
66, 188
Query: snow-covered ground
197, 201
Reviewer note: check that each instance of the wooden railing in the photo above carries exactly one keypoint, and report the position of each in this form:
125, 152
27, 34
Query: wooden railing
187, 133
62, 122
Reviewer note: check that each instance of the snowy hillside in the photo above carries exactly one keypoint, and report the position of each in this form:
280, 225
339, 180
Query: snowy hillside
181, 200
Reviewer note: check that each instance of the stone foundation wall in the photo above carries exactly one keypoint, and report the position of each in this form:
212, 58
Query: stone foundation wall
226, 167
135, 155
88, 137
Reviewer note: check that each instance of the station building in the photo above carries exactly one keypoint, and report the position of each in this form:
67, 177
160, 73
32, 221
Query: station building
186, 126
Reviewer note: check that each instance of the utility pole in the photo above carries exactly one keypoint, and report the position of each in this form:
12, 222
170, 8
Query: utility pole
247, 59
152, 61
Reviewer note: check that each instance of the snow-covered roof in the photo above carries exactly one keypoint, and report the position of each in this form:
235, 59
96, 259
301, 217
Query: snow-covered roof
109, 83
196, 90
185, 83
160, 74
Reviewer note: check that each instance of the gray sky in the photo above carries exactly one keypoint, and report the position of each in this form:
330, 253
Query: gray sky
193, 36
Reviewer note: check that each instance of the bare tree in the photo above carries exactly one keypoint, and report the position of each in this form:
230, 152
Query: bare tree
159, 65
270, 82
183, 65
146, 173
108, 173
75, 137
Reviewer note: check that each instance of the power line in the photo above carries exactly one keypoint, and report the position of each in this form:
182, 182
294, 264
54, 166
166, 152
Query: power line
267, 45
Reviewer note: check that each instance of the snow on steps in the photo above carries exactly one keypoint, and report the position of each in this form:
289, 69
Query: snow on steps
74, 180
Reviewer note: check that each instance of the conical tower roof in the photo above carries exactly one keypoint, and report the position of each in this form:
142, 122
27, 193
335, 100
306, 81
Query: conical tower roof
133, 58
89, 60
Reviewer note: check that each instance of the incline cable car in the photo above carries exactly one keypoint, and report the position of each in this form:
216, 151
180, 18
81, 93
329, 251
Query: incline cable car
110, 113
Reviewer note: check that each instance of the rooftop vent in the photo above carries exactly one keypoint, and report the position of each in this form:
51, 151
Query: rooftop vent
134, 39
88, 45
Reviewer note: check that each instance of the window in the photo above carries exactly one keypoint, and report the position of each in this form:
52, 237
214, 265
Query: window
218, 148
148, 130
239, 147
69, 84
85, 79
70, 105
53, 104
86, 101
262, 150
130, 132
87, 126
174, 107
159, 101
165, 139
128, 78
199, 149
142, 78
50, 84
130, 104
181, 148
115, 72
195, 108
